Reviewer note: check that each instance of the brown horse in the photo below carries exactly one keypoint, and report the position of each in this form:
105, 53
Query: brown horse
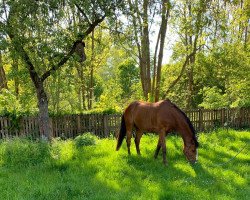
160, 117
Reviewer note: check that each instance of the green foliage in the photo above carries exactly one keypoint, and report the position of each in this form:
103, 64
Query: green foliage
226, 68
213, 98
128, 76
9, 103
239, 93
87, 139
220, 78
178, 94
20, 152
99, 172
110, 98
46, 31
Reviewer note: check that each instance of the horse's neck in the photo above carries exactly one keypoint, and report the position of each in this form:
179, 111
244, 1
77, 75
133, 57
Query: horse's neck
186, 135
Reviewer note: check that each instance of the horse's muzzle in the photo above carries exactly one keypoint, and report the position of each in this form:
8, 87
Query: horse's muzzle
193, 162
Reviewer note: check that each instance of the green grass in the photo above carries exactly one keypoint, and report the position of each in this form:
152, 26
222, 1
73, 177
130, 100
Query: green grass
62, 170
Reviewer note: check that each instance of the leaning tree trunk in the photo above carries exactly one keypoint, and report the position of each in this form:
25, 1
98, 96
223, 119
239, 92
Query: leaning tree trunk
145, 45
162, 32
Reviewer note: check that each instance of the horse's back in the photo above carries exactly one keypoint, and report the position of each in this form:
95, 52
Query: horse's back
150, 116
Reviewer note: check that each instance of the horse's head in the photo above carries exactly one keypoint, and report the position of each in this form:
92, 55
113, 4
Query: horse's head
191, 152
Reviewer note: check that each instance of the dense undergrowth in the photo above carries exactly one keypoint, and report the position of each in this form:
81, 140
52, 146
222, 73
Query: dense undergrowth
92, 169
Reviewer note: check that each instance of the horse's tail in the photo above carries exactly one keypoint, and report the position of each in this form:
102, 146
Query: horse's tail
122, 133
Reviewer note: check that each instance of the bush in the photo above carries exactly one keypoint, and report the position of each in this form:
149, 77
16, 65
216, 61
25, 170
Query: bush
213, 98
87, 139
22, 152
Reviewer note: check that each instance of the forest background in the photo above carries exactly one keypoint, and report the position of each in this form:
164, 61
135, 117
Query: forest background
196, 53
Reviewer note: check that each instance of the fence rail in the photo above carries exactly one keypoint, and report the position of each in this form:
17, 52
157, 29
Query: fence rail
103, 125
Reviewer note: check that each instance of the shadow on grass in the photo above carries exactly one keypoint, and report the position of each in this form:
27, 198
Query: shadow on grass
31, 172
180, 180
101, 173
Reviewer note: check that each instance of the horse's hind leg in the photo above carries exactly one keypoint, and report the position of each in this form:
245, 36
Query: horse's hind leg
129, 136
157, 148
163, 146
137, 141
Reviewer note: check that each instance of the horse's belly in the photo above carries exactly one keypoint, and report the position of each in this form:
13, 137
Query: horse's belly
150, 129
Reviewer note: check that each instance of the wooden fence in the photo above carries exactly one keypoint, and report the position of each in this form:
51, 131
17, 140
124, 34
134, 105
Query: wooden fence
103, 125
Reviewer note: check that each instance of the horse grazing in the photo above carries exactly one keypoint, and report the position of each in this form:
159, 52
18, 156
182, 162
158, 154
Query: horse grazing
161, 117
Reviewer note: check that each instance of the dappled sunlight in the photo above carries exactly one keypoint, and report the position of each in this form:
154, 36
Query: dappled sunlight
112, 183
224, 174
99, 172
63, 150
185, 168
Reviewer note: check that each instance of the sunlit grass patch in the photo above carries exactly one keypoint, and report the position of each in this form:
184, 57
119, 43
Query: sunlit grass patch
61, 170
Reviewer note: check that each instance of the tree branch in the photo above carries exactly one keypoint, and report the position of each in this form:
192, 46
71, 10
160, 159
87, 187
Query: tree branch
24, 55
181, 73
72, 50
83, 13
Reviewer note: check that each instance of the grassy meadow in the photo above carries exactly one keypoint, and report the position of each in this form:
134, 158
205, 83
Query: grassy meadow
72, 169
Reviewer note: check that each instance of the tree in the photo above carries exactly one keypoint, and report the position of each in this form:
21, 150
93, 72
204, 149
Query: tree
191, 23
128, 76
161, 39
45, 40
143, 15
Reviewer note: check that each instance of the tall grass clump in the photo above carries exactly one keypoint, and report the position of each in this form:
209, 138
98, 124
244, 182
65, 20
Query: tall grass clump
87, 139
22, 152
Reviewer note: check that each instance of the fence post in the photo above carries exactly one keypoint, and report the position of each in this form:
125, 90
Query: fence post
223, 117
200, 120
1, 128
78, 121
51, 127
105, 125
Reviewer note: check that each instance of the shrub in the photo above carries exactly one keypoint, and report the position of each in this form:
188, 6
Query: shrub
213, 98
87, 139
22, 152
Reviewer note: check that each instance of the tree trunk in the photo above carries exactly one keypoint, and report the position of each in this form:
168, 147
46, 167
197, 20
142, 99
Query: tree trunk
155, 60
91, 81
16, 78
190, 89
44, 127
3, 80
146, 45
141, 31
163, 30
58, 92
82, 87
83, 91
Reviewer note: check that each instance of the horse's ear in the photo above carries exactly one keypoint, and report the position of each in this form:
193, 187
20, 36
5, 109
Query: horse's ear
79, 50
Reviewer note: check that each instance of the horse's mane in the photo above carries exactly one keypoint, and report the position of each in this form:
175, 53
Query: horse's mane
188, 122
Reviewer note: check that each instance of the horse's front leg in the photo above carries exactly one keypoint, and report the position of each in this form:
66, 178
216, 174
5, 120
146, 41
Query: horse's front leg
137, 141
157, 148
